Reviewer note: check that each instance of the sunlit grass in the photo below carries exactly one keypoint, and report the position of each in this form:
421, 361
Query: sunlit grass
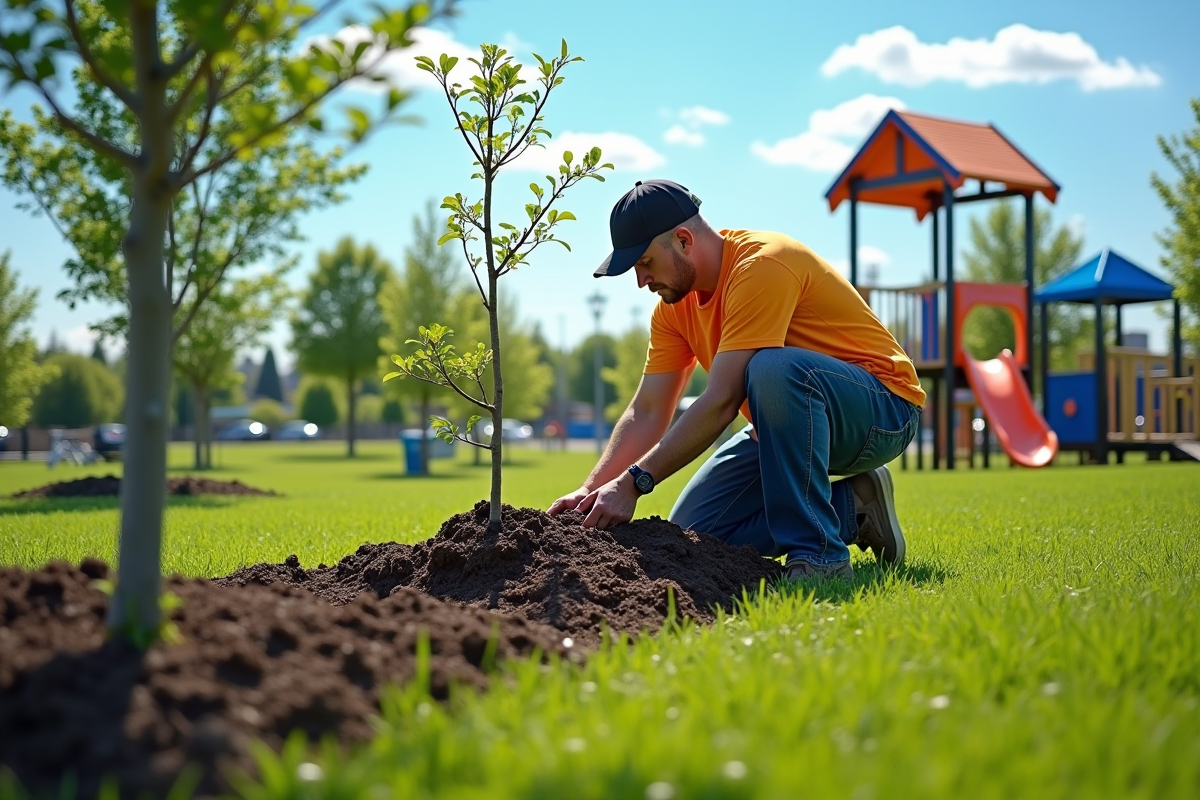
1043, 641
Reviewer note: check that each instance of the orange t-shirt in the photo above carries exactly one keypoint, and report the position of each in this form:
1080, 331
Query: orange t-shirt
775, 292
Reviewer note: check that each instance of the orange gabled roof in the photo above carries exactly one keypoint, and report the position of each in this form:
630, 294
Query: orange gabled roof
920, 152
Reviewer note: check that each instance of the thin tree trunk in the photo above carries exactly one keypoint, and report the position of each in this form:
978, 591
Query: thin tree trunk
197, 431
497, 443
204, 427
350, 421
424, 438
143, 491
494, 520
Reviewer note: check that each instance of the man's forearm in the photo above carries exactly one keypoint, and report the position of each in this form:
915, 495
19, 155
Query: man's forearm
632, 436
696, 430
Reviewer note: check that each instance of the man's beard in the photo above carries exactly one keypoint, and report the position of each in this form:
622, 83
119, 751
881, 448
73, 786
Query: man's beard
682, 280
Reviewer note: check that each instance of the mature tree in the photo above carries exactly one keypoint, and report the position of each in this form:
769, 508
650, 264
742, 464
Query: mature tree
1181, 241
82, 393
235, 317
168, 65
338, 326
21, 376
269, 385
626, 375
423, 292
316, 402
997, 255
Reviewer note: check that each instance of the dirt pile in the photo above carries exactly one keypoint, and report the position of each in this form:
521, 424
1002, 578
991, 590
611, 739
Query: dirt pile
545, 569
110, 485
254, 662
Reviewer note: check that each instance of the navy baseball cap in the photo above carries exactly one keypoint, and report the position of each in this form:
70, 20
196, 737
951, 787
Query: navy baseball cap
647, 210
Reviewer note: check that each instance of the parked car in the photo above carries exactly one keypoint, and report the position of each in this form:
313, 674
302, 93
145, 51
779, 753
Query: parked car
108, 440
514, 430
297, 429
244, 430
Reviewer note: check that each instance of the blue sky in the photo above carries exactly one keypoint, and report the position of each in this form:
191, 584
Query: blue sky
755, 108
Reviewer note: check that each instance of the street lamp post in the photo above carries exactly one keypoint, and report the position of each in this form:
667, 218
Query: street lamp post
596, 301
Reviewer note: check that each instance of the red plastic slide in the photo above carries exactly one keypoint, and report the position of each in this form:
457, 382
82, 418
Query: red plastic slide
1002, 394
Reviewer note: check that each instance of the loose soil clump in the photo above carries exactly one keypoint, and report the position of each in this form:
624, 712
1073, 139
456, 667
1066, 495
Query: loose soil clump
545, 569
110, 486
254, 662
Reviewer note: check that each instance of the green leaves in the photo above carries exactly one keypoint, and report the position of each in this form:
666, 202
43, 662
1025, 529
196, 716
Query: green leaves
437, 362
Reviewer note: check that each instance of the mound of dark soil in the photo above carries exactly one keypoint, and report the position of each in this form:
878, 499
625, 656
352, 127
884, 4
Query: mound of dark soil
546, 569
254, 662
110, 485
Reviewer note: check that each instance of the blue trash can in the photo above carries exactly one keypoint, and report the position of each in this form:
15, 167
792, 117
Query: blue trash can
412, 451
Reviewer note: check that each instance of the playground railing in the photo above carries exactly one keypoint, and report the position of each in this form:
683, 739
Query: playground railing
913, 314
1147, 402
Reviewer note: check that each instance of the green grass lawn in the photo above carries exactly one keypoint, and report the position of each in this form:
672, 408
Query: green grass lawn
1041, 642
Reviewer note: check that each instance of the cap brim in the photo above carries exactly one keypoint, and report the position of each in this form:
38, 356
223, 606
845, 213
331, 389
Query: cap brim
621, 261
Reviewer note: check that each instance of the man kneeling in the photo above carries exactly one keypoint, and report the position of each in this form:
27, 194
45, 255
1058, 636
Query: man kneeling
789, 343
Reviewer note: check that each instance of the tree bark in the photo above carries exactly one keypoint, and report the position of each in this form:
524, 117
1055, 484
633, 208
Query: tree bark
494, 518
350, 408
424, 438
143, 491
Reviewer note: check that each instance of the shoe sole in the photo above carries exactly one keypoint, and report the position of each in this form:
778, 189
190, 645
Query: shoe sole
881, 482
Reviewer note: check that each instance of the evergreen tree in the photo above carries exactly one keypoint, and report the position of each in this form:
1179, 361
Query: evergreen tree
269, 385
98, 352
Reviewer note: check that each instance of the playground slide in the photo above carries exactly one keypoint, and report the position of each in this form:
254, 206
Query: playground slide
1002, 394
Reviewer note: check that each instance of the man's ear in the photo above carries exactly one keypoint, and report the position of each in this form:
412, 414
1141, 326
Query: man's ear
685, 238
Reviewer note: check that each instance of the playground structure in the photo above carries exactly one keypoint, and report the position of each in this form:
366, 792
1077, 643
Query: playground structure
921, 162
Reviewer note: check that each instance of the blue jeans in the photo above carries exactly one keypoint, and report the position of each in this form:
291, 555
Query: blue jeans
815, 416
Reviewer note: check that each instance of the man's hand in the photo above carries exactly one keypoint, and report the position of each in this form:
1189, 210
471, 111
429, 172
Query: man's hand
611, 504
568, 502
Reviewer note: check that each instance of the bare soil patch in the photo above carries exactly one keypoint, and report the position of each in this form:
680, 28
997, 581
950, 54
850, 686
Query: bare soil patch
255, 662
273, 648
545, 569
110, 485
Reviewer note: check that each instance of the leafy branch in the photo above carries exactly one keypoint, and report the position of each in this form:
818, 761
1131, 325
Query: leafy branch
436, 362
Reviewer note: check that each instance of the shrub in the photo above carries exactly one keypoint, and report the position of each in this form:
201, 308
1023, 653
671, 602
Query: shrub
269, 412
317, 404
85, 392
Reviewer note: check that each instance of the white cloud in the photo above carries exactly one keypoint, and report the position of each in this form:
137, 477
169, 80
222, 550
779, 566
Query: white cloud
399, 66
687, 130
869, 256
1017, 54
832, 135
624, 151
677, 134
1077, 225
702, 115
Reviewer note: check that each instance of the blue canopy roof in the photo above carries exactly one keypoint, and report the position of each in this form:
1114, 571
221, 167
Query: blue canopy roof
1109, 277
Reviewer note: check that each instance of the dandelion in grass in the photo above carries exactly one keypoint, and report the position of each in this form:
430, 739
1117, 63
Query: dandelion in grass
939, 702
734, 770
309, 771
660, 790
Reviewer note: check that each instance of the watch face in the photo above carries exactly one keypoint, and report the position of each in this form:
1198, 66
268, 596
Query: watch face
644, 483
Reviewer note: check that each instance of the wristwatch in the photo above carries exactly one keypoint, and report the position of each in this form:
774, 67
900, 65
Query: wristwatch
643, 481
